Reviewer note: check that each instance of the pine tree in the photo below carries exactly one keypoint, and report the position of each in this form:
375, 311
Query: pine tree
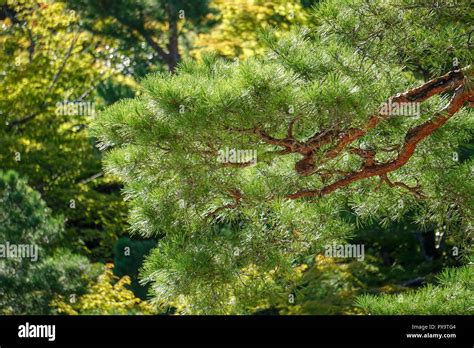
158, 24
323, 111
34, 268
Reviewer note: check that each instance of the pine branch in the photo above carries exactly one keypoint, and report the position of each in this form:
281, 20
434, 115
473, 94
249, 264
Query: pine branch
236, 195
447, 82
413, 137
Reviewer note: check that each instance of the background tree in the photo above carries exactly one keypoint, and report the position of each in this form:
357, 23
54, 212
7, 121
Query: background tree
238, 23
108, 296
312, 111
28, 285
157, 24
47, 62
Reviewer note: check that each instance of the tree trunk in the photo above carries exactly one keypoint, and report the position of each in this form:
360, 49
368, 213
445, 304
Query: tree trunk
173, 49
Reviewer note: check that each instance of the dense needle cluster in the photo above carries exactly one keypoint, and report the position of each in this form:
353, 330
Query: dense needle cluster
233, 235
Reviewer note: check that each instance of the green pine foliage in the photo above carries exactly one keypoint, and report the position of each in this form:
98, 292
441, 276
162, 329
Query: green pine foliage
453, 294
211, 237
222, 254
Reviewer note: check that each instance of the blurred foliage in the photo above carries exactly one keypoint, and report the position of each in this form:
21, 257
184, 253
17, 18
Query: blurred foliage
328, 287
27, 285
397, 258
108, 296
47, 59
239, 22
150, 33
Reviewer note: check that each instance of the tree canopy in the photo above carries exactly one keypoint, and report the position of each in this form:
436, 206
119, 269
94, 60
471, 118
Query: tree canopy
28, 285
47, 99
318, 112
236, 157
238, 24
156, 24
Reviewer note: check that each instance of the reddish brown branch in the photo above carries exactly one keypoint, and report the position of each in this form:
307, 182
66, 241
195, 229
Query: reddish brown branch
370, 168
367, 155
319, 139
291, 126
412, 138
416, 190
238, 164
286, 142
449, 81
236, 194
